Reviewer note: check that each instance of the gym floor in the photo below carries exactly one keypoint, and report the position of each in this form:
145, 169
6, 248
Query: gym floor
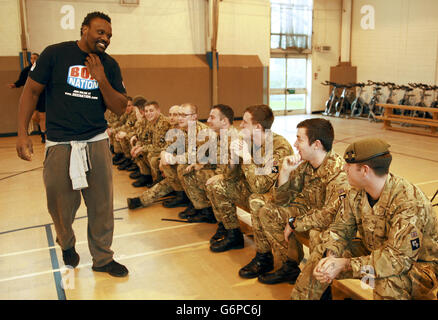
166, 260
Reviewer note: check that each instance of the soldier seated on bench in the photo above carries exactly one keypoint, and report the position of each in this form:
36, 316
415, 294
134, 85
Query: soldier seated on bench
397, 226
307, 192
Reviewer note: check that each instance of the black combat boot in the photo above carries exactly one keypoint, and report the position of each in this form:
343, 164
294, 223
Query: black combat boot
262, 263
142, 181
153, 183
132, 167
220, 233
288, 272
119, 158
135, 175
180, 200
203, 215
125, 164
189, 211
43, 137
232, 240
134, 203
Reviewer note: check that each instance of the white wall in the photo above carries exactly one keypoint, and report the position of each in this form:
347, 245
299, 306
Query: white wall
244, 28
403, 46
10, 43
326, 31
159, 26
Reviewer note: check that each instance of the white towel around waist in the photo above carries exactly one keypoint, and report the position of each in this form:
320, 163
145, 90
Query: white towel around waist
79, 164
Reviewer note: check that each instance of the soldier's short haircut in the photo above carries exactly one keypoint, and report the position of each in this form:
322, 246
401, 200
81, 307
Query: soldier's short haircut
129, 98
193, 107
140, 102
152, 103
92, 15
380, 165
319, 129
261, 114
226, 111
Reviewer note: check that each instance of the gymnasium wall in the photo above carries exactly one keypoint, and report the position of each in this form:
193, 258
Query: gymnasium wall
326, 31
402, 47
160, 46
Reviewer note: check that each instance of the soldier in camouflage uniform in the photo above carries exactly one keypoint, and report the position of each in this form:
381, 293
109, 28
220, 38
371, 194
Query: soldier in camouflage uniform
189, 129
251, 175
194, 177
151, 141
308, 187
124, 132
163, 187
114, 122
397, 226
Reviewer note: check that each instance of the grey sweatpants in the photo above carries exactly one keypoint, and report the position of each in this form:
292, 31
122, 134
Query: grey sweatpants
63, 201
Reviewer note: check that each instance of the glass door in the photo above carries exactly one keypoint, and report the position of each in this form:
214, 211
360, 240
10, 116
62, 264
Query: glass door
288, 84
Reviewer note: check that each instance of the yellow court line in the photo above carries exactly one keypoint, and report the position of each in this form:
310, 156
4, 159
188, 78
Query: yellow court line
84, 242
426, 182
30, 275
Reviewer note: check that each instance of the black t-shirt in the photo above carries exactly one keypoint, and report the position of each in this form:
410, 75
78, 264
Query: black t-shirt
23, 77
74, 104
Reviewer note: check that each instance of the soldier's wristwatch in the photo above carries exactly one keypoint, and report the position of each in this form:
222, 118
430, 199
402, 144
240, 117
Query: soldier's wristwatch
291, 222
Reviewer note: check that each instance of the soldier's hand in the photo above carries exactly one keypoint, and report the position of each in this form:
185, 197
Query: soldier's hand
94, 65
329, 268
214, 179
292, 162
287, 232
11, 85
24, 148
194, 166
133, 140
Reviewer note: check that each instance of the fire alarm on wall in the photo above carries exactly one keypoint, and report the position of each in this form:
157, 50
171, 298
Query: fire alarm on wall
323, 48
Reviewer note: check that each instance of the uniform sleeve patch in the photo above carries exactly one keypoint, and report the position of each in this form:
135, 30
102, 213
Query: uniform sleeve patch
415, 244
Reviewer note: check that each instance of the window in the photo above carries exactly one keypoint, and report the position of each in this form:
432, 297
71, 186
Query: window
291, 24
291, 41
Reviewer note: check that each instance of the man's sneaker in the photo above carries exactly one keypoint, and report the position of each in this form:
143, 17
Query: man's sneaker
70, 257
113, 268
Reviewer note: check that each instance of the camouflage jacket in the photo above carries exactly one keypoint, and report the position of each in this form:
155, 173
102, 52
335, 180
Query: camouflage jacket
260, 176
317, 191
152, 138
177, 142
129, 122
398, 230
112, 118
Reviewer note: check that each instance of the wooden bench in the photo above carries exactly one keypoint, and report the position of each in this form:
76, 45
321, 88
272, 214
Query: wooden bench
430, 125
341, 289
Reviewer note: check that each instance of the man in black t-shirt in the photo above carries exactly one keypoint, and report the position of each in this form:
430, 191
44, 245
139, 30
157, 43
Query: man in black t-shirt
81, 81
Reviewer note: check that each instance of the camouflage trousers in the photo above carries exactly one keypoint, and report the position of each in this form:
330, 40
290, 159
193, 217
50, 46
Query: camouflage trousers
224, 195
159, 190
420, 282
194, 185
142, 164
126, 147
148, 164
117, 146
269, 222
171, 174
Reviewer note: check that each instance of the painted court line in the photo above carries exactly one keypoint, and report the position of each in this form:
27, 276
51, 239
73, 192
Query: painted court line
85, 242
148, 253
426, 182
